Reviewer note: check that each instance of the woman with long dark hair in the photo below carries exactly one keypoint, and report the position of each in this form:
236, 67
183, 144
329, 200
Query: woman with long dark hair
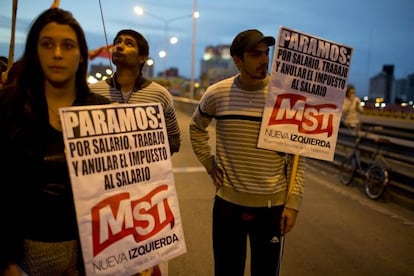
40, 232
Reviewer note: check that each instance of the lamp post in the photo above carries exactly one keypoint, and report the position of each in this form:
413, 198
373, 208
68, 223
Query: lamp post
163, 54
193, 47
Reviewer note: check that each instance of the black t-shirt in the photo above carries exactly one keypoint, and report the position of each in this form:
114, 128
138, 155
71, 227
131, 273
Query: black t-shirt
52, 214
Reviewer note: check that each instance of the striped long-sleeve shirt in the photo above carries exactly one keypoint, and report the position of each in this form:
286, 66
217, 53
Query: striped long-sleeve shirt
252, 176
145, 91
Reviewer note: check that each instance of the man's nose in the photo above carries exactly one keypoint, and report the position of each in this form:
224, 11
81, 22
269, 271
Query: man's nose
119, 46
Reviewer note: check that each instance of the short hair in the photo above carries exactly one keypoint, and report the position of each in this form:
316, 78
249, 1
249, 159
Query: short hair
142, 43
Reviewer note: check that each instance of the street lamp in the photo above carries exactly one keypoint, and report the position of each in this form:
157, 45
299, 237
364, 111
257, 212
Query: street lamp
193, 47
163, 54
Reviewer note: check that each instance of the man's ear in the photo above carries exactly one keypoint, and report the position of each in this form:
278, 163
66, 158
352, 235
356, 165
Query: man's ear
143, 59
238, 61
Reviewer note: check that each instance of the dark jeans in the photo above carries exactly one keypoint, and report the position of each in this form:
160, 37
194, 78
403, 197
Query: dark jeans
232, 224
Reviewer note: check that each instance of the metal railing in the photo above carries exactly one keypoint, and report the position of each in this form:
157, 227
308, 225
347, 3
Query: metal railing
399, 154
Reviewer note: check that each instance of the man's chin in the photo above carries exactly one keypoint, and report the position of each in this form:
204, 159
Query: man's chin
262, 74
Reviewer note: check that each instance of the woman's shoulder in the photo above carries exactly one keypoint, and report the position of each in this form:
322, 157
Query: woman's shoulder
9, 96
11, 105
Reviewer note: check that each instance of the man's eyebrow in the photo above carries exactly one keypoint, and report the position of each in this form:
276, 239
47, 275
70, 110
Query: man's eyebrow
129, 39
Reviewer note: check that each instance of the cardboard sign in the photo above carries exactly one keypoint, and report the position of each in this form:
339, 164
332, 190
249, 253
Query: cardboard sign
123, 186
308, 83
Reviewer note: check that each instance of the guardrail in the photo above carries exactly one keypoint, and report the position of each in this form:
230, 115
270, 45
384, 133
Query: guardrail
399, 154
185, 104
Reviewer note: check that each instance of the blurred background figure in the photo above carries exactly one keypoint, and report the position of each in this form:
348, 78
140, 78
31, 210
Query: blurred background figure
3, 70
351, 108
10, 75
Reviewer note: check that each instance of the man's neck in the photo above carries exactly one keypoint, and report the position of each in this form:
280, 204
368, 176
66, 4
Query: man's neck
126, 79
251, 84
64, 94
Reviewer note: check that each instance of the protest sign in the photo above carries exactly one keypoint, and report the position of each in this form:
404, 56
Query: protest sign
308, 82
123, 186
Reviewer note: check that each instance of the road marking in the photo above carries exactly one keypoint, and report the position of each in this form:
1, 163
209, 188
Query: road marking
357, 195
189, 169
337, 188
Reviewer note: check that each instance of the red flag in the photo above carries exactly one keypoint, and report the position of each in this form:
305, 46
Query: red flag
103, 52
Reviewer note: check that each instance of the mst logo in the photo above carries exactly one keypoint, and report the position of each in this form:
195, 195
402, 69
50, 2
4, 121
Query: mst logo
118, 216
310, 119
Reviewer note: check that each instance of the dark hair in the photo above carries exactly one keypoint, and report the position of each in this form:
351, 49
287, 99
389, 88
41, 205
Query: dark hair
139, 38
30, 80
350, 87
142, 43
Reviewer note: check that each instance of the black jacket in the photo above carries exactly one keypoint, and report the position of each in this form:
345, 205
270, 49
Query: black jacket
36, 193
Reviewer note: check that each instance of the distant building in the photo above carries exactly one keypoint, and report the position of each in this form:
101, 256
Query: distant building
410, 87
381, 85
217, 64
171, 72
404, 88
400, 90
105, 70
391, 90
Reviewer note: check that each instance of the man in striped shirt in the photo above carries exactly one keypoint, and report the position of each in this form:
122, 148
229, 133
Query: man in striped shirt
251, 183
129, 53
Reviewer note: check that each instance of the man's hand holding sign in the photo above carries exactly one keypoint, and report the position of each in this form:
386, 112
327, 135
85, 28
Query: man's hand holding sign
303, 109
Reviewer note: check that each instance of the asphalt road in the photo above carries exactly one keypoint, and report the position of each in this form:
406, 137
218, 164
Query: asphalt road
338, 232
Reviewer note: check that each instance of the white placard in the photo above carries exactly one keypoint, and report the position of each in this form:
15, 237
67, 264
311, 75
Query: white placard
307, 87
123, 186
